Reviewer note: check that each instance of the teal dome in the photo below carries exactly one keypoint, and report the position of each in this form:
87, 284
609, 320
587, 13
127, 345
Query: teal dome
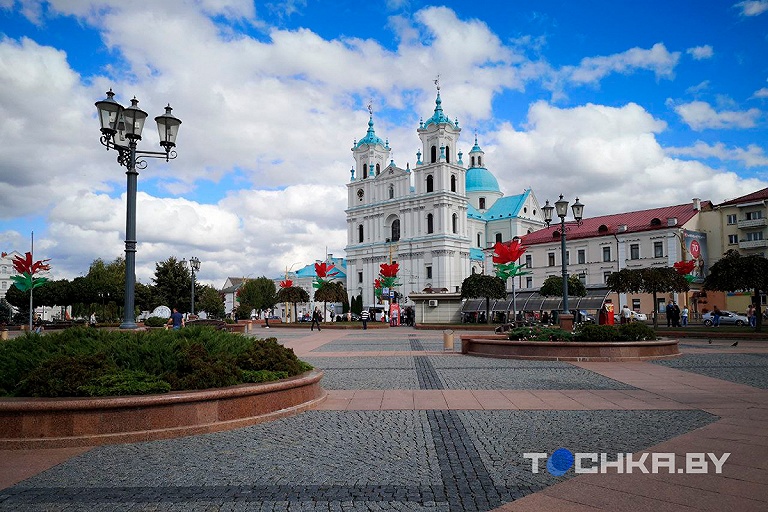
481, 180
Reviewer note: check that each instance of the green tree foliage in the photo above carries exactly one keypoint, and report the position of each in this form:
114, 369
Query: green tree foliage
553, 287
6, 312
331, 291
211, 301
483, 286
293, 295
653, 280
734, 272
173, 284
259, 294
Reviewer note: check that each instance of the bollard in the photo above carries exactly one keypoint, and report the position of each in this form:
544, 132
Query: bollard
4, 334
448, 340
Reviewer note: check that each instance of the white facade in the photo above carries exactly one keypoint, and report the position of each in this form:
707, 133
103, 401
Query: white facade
6, 271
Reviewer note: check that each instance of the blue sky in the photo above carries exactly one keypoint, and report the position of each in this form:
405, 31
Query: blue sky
655, 101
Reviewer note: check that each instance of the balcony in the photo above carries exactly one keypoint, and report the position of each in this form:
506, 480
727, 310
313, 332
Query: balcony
752, 244
753, 223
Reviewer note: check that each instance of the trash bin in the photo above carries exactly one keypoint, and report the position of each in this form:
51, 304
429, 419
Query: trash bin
448, 340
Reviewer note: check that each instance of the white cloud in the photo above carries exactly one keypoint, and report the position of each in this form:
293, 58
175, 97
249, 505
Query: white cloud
701, 52
752, 7
700, 115
753, 156
592, 69
761, 93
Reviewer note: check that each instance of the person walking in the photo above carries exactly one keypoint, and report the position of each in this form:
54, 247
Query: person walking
675, 314
315, 320
177, 320
668, 311
92, 321
626, 315
751, 316
684, 316
364, 317
716, 316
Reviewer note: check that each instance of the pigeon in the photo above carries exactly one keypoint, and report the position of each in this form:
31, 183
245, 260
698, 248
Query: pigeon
709, 341
735, 343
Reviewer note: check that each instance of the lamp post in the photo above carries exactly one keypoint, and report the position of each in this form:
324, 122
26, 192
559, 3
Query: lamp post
121, 130
562, 211
194, 266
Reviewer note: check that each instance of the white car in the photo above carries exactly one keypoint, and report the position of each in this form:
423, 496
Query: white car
634, 316
726, 318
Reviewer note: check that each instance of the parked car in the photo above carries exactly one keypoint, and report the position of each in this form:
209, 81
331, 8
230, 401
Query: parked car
581, 315
726, 318
634, 316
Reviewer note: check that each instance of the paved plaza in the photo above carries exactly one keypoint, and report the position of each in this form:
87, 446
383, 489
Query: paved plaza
408, 426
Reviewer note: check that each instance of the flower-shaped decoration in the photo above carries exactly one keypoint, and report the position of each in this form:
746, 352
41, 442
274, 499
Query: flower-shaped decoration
28, 270
377, 288
286, 284
323, 274
387, 277
685, 268
504, 257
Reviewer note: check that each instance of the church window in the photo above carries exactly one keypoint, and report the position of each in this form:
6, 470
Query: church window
455, 223
498, 237
378, 169
447, 154
365, 171
479, 243
391, 192
430, 183
453, 183
430, 223
482, 203
479, 161
433, 154
473, 161
396, 230
360, 233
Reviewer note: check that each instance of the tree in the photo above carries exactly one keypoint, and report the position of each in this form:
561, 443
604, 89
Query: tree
553, 286
735, 272
479, 286
259, 294
331, 291
173, 284
211, 301
653, 280
293, 295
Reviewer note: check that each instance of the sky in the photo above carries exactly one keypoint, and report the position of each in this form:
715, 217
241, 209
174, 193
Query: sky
625, 105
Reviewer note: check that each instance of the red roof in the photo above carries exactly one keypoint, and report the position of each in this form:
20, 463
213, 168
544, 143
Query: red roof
643, 220
754, 196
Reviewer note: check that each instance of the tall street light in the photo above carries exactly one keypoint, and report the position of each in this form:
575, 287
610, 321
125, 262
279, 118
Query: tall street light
562, 211
120, 130
194, 266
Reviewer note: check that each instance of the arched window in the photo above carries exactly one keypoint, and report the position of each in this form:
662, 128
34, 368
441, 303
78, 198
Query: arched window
365, 171
433, 154
455, 223
479, 244
473, 161
430, 223
378, 169
360, 233
396, 230
482, 203
430, 183
453, 183
479, 161
391, 192
498, 237
447, 154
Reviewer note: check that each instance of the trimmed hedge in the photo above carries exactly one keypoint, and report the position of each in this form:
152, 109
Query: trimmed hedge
634, 331
94, 362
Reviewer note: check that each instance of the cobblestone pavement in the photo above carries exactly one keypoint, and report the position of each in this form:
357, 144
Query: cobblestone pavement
431, 459
749, 369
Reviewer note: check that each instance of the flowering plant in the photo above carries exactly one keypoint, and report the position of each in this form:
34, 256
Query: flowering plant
685, 268
504, 257
323, 274
27, 270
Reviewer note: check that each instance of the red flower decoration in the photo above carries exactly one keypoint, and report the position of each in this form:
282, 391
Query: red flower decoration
323, 269
390, 270
508, 252
286, 284
25, 265
685, 267
377, 283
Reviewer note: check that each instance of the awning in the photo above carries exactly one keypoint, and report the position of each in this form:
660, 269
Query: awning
533, 301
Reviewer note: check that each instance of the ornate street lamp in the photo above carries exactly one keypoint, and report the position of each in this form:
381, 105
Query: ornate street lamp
194, 266
121, 130
562, 211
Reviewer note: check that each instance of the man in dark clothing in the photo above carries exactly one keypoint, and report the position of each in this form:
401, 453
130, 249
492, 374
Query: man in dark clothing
668, 310
315, 320
364, 317
177, 319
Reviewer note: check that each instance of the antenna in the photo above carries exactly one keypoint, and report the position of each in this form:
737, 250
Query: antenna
437, 82
370, 106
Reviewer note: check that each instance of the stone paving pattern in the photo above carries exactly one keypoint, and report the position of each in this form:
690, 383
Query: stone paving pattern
408, 427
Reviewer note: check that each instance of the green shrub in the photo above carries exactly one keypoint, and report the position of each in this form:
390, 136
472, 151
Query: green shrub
198, 369
155, 321
636, 331
125, 382
592, 332
256, 376
64, 375
537, 333
268, 354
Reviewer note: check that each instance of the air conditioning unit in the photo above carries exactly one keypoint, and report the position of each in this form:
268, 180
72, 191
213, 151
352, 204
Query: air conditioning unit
433, 303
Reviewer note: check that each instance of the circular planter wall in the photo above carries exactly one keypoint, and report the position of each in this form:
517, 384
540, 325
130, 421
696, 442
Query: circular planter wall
63, 422
501, 346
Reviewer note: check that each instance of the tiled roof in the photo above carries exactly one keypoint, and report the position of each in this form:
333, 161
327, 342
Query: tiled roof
643, 220
754, 196
506, 207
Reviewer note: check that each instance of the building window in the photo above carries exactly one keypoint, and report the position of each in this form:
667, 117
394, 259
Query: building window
429, 272
391, 192
583, 279
498, 237
430, 183
481, 203
731, 218
658, 249
634, 251
606, 275
359, 277
360, 233
455, 223
430, 223
733, 239
396, 230
636, 305
757, 214
453, 183
479, 239
433, 154
472, 159
378, 169
551, 259
567, 257
479, 161
528, 261
755, 235
365, 171
447, 154
606, 254
529, 282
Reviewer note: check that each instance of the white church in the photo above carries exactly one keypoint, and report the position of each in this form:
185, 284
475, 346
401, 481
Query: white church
437, 220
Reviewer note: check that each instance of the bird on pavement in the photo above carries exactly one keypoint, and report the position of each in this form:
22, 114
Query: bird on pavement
735, 343
709, 341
